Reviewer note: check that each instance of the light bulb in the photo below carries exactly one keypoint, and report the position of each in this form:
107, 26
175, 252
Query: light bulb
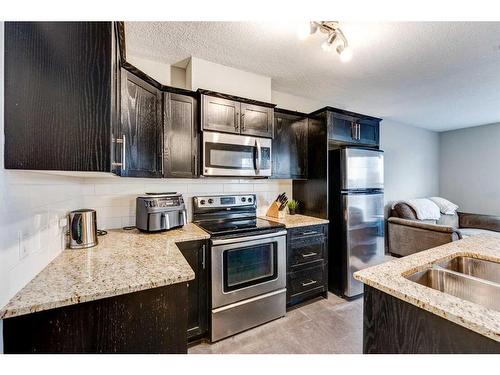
345, 54
326, 46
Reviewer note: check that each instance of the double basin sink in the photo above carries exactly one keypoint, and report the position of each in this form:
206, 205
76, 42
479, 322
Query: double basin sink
471, 279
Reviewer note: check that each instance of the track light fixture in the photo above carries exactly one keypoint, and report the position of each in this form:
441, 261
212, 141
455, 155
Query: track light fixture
335, 35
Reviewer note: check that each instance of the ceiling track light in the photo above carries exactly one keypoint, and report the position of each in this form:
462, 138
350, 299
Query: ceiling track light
335, 35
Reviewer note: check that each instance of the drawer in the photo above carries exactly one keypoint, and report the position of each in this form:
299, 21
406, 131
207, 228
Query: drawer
305, 280
307, 231
306, 249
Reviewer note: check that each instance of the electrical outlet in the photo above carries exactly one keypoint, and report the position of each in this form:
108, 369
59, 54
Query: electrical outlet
23, 245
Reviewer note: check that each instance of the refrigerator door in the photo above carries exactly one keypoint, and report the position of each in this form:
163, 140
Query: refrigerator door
364, 236
362, 169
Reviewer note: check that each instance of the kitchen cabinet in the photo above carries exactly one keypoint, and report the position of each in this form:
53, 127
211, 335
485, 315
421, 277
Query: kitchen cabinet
149, 321
307, 263
60, 95
256, 120
232, 114
349, 128
141, 128
290, 145
196, 255
181, 141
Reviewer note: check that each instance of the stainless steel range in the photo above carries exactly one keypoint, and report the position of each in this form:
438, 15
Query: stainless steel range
248, 263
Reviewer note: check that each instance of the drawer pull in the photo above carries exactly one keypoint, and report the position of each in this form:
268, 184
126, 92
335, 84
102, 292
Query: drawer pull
311, 282
309, 232
307, 255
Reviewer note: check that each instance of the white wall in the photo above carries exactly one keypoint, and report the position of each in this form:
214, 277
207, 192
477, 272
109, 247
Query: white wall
411, 161
208, 75
470, 168
296, 103
157, 70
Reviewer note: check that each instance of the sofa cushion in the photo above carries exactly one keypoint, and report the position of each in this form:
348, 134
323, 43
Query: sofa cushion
404, 211
468, 232
451, 220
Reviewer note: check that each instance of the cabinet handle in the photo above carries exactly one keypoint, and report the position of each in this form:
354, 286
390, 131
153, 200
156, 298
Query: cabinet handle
311, 282
121, 141
203, 257
124, 153
307, 255
358, 127
236, 120
242, 122
353, 130
309, 232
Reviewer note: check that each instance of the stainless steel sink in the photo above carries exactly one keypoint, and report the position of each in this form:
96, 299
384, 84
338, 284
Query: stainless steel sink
460, 278
483, 269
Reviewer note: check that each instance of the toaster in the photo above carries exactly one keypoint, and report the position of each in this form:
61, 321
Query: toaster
160, 211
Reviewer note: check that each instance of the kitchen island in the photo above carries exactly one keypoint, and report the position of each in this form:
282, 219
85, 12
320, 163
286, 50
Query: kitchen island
404, 316
123, 295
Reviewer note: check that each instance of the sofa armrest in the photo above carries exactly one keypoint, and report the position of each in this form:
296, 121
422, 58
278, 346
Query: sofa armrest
410, 236
418, 224
488, 222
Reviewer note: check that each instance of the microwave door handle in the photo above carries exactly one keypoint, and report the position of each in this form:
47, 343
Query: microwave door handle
259, 156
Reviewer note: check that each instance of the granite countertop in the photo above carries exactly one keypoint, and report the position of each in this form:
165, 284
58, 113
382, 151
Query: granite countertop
390, 278
293, 221
123, 262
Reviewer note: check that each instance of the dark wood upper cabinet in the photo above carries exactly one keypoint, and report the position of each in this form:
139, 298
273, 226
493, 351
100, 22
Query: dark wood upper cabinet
232, 114
350, 128
220, 114
142, 128
290, 145
59, 95
180, 149
369, 132
256, 120
196, 255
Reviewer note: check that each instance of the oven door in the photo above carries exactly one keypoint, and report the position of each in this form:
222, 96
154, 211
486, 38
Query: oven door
236, 155
247, 267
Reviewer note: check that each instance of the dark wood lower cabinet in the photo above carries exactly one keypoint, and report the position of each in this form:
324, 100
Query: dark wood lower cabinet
393, 326
150, 321
307, 263
196, 255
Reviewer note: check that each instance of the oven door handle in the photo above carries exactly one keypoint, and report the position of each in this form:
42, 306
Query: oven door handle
259, 156
248, 238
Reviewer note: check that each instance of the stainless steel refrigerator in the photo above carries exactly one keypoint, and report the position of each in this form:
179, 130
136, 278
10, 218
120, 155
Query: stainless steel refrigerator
356, 213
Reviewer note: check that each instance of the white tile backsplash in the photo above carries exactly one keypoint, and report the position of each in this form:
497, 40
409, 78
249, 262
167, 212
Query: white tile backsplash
114, 200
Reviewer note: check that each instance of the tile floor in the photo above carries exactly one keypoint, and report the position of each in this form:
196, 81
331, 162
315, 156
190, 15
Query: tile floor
330, 325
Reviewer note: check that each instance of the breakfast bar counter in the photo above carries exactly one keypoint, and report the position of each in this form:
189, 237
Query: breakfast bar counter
389, 284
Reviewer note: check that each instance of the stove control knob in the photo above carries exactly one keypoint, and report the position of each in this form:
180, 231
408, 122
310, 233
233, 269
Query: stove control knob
202, 201
249, 200
243, 199
210, 201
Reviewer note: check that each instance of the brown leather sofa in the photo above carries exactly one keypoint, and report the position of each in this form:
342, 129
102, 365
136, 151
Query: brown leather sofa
408, 235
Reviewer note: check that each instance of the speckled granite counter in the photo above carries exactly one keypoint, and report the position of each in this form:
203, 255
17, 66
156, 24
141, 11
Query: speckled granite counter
390, 278
293, 221
123, 262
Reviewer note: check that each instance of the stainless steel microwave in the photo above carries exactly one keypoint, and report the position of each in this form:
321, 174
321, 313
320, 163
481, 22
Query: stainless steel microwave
235, 155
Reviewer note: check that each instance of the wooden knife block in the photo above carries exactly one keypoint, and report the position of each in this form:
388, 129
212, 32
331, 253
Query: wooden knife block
274, 211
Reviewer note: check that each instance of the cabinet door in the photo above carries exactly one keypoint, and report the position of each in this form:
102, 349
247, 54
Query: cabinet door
290, 146
196, 255
180, 149
58, 95
256, 120
368, 132
341, 128
142, 128
220, 114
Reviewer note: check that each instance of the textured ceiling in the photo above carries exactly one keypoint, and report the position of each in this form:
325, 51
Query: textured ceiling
436, 75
